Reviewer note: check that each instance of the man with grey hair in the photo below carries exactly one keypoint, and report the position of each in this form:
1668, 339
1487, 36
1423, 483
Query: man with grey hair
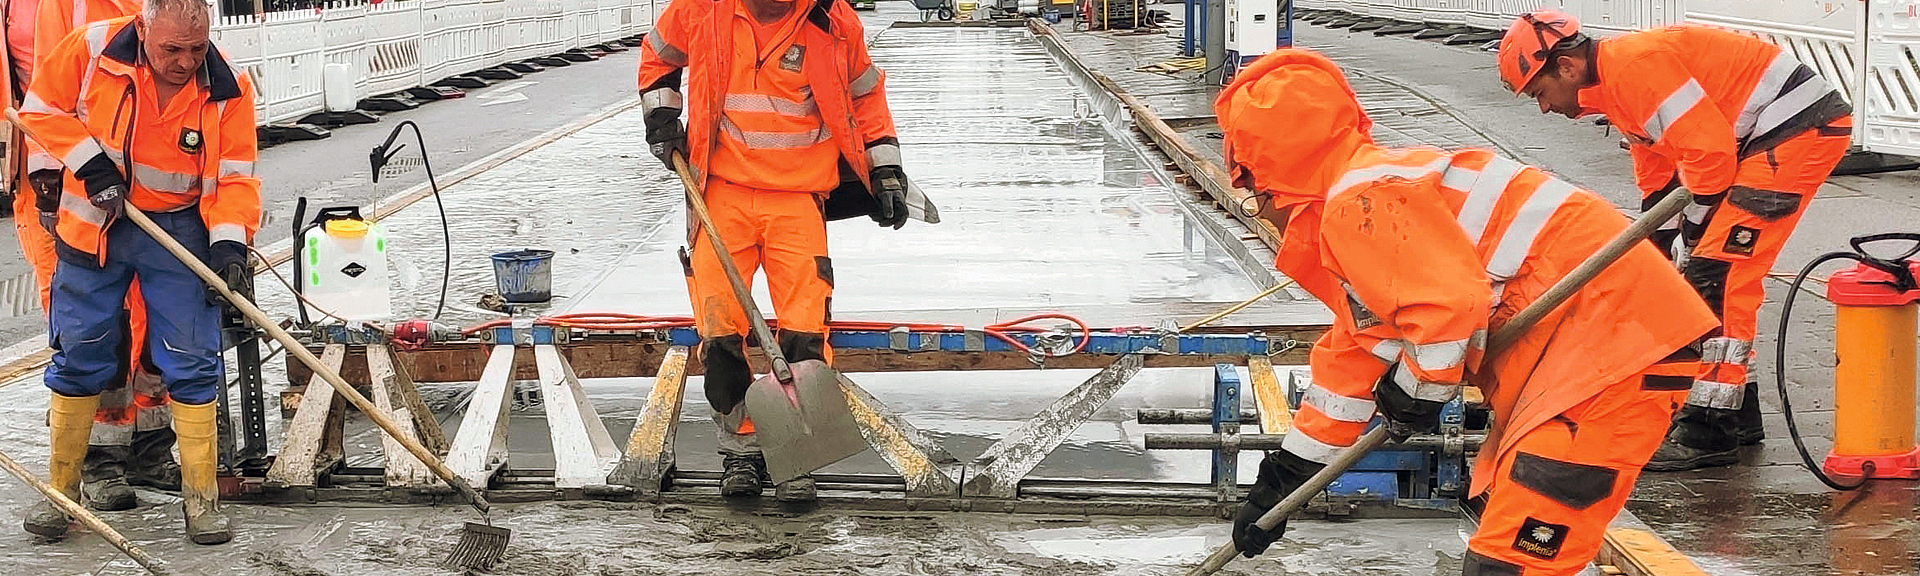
143, 110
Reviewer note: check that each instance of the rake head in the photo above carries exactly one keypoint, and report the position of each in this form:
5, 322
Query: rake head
480, 546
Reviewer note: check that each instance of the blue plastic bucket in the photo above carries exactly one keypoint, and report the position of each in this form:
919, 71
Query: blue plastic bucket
524, 276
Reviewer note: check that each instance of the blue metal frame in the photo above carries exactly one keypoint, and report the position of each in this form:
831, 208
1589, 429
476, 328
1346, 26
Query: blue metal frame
1226, 419
1099, 343
1195, 34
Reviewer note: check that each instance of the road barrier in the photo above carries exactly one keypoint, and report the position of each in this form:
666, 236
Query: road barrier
1868, 48
395, 45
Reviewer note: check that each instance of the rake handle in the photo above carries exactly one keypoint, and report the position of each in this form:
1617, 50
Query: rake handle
291, 345
1509, 332
86, 517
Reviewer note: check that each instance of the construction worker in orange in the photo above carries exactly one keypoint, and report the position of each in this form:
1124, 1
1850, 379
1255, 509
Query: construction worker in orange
787, 126
143, 110
1421, 253
1748, 130
132, 441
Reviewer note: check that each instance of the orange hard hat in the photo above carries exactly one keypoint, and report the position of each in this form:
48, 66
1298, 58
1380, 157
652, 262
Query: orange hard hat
1291, 123
1523, 51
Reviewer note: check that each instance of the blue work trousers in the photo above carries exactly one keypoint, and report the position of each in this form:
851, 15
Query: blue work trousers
88, 322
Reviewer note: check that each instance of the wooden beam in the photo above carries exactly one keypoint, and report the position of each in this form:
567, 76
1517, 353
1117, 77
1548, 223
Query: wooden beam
925, 465
403, 469
1269, 397
649, 455
305, 452
583, 451
1640, 552
480, 446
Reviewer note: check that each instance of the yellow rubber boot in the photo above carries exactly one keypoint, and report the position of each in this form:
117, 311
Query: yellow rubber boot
194, 425
69, 423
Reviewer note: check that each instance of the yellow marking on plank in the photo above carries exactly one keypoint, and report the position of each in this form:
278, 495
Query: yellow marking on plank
1269, 397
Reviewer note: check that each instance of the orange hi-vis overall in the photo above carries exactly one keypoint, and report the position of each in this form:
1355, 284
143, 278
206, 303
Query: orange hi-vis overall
1752, 133
776, 109
1420, 253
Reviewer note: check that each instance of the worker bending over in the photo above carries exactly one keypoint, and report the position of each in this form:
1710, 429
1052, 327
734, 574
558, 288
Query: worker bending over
1750, 131
782, 107
142, 110
132, 441
1421, 253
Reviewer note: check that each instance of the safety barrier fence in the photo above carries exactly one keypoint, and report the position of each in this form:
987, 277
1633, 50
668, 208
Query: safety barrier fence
399, 44
1868, 48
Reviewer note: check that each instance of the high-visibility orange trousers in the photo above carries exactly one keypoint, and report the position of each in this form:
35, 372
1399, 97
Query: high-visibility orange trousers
1556, 490
118, 409
785, 234
1739, 243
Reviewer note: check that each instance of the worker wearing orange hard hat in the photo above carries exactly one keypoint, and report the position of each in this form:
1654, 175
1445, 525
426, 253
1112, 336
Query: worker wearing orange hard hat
1748, 130
1420, 253
787, 127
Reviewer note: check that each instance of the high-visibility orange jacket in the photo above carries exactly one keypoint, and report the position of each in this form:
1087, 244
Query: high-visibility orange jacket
91, 101
1700, 99
1420, 253
697, 38
52, 21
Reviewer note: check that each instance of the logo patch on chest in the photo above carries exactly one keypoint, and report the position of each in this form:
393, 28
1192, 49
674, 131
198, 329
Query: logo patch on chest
795, 56
190, 140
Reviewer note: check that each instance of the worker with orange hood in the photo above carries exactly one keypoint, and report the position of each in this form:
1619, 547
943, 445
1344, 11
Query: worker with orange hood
1751, 132
1422, 252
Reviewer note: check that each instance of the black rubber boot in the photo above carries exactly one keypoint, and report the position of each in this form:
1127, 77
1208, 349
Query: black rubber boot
801, 489
104, 479
1700, 438
150, 461
744, 477
1751, 429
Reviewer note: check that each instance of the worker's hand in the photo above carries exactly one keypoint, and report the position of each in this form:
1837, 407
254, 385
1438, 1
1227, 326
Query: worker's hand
229, 259
1281, 472
1405, 414
47, 188
890, 192
110, 199
665, 137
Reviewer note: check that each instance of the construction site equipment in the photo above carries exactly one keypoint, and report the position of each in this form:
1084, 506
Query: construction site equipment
94, 523
801, 418
345, 262
1254, 28
1506, 334
524, 276
1876, 308
1114, 14
931, 9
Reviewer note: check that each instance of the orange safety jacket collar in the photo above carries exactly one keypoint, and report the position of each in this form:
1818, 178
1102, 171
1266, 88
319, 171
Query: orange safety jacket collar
122, 54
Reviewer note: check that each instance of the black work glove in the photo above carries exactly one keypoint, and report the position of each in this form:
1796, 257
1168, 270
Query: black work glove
1405, 414
890, 193
106, 186
666, 135
229, 259
1281, 472
47, 187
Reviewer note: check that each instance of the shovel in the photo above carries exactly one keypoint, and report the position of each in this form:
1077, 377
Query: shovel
798, 411
1505, 335
477, 548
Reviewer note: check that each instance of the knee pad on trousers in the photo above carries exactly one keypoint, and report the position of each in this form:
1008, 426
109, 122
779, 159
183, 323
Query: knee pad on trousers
727, 372
802, 346
1709, 277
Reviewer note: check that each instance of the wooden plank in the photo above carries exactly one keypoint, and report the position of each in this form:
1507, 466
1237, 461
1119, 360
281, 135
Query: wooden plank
925, 465
403, 469
997, 472
307, 446
1269, 397
431, 434
649, 454
480, 446
583, 451
1640, 552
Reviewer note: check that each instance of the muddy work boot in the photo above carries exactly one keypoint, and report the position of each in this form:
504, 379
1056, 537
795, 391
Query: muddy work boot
69, 422
1700, 438
744, 475
800, 489
1751, 430
105, 480
199, 488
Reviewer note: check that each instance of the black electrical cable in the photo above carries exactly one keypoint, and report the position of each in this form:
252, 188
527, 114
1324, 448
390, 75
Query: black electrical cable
379, 157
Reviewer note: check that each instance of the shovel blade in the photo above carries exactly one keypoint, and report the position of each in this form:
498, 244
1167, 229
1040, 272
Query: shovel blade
806, 427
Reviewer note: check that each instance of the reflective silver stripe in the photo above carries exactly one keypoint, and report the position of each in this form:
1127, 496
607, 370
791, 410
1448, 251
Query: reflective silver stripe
79, 207
1459, 178
1720, 395
1721, 350
667, 52
153, 178
1419, 390
1764, 92
765, 104
1787, 105
1485, 194
864, 84
96, 37
1370, 173
82, 152
1525, 227
34, 105
1300, 444
40, 160
1671, 223
884, 155
661, 98
1440, 355
1387, 351
1676, 104
1337, 407
1695, 212
775, 140
236, 168
234, 232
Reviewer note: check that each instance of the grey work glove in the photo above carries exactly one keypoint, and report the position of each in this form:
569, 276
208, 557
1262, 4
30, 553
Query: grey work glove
890, 193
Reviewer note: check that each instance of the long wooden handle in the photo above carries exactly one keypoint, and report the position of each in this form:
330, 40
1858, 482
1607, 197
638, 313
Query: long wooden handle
781, 371
1512, 330
87, 517
292, 346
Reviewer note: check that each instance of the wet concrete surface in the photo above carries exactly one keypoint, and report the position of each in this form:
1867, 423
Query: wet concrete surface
1765, 516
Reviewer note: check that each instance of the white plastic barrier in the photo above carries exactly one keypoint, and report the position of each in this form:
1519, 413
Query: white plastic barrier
393, 45
1890, 120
